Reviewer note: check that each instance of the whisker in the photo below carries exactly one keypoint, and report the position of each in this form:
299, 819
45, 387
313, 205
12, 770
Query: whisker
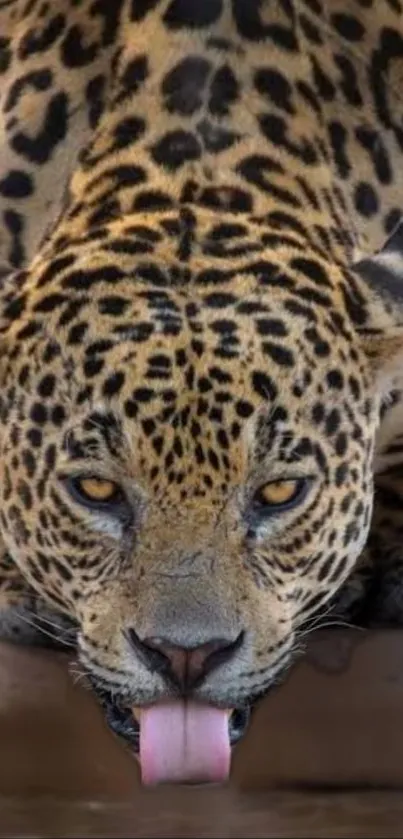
312, 621
80, 678
63, 630
39, 628
326, 625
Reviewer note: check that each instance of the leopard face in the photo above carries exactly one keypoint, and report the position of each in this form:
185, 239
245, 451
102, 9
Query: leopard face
195, 469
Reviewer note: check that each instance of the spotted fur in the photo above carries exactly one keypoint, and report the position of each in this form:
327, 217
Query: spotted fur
200, 205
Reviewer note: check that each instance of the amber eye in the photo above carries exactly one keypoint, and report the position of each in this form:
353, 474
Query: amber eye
97, 489
94, 491
280, 495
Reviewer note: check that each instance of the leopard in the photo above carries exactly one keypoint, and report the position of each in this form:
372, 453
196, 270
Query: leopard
201, 347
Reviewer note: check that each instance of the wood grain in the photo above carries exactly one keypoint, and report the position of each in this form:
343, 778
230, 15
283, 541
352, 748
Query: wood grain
323, 756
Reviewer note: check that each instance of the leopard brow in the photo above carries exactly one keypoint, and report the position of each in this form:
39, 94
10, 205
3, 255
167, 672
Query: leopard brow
89, 438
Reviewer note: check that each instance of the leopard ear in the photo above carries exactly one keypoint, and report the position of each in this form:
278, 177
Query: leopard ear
381, 330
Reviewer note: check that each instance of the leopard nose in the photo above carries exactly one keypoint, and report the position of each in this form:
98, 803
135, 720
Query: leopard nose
186, 667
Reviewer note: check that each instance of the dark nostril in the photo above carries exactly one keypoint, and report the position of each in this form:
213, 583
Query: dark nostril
153, 658
223, 652
186, 666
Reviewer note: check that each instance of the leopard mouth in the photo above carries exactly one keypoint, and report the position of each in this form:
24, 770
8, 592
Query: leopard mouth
126, 725
178, 739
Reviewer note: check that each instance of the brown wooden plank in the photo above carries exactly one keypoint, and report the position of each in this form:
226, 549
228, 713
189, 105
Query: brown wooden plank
335, 723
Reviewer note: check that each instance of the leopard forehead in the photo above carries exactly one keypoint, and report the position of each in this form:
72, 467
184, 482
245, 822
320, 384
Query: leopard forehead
196, 393
110, 337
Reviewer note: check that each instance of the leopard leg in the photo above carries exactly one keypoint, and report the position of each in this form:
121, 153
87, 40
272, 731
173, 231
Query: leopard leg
373, 594
385, 544
352, 603
25, 618
385, 604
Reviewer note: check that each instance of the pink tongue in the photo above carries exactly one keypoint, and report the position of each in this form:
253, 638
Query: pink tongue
184, 742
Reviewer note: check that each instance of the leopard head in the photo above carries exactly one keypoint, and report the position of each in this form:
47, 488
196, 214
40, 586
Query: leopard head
186, 470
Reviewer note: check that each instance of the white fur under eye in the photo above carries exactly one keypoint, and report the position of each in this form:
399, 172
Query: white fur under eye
392, 260
107, 525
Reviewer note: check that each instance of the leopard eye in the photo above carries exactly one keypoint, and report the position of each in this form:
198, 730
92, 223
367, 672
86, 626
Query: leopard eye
278, 496
95, 492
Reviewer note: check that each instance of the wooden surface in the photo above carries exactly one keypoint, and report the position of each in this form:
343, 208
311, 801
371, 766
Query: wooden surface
319, 751
216, 815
